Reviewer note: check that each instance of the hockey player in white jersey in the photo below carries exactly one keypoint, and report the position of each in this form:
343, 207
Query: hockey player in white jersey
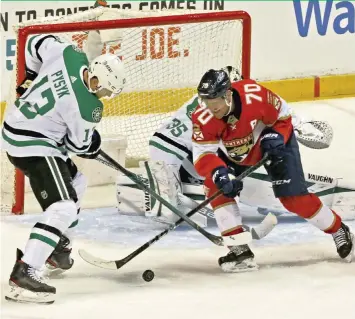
57, 112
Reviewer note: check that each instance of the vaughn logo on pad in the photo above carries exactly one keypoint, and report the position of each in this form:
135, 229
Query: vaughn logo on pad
320, 178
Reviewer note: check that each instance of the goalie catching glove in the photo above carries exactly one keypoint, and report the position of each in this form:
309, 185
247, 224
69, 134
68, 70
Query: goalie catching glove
314, 134
94, 148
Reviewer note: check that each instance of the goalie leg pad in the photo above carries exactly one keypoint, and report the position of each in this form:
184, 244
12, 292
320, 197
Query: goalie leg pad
134, 201
164, 180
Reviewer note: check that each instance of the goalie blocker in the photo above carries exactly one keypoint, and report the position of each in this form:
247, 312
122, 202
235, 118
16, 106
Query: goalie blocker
163, 180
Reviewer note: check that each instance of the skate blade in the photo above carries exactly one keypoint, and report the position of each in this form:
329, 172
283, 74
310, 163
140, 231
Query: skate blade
50, 271
350, 257
18, 294
246, 265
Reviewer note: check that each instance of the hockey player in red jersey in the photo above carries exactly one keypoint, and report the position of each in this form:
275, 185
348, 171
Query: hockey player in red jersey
234, 125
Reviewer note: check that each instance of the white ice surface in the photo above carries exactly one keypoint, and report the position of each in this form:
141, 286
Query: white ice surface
300, 274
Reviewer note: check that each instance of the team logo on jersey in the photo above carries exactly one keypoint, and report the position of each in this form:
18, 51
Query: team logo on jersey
44, 194
97, 114
231, 122
274, 100
239, 141
198, 136
239, 148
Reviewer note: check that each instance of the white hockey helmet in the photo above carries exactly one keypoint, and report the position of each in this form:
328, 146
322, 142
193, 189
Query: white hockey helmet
233, 73
109, 70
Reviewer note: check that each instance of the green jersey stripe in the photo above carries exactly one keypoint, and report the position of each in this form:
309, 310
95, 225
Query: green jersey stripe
44, 239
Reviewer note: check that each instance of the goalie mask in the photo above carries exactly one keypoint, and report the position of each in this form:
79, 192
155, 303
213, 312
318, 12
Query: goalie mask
109, 70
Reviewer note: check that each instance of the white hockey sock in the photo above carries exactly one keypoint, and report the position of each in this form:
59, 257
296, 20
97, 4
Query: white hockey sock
228, 218
80, 185
69, 233
323, 219
46, 234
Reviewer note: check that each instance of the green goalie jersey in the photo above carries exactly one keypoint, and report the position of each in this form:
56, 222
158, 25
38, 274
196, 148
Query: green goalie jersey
57, 113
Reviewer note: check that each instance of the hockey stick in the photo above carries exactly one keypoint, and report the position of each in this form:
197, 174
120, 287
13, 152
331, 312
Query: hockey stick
258, 232
106, 159
117, 264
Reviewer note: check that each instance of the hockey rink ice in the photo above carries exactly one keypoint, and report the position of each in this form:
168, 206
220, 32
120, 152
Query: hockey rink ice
300, 274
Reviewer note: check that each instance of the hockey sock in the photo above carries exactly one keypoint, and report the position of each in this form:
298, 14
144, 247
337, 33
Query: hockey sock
46, 234
70, 231
312, 209
228, 219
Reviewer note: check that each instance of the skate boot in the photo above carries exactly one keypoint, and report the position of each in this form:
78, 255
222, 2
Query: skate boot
27, 285
344, 242
60, 260
239, 259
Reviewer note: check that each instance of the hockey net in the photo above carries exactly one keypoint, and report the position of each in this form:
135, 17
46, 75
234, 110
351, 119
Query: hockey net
165, 55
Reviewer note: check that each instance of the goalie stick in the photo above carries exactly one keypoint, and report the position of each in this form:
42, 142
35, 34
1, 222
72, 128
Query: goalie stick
117, 264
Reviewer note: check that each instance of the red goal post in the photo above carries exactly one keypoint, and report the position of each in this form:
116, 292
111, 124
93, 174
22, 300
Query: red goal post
177, 19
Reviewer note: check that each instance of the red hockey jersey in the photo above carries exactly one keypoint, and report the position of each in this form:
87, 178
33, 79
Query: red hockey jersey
238, 134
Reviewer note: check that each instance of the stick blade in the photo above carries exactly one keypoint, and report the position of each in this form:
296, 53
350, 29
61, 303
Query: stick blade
96, 261
265, 227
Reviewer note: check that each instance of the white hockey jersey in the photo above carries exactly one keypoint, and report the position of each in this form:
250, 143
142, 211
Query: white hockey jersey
57, 113
175, 134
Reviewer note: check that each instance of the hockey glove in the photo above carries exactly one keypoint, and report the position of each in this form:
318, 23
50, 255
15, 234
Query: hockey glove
226, 181
26, 83
22, 88
94, 148
272, 143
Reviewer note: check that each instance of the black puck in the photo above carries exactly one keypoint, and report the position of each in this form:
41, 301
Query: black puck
148, 275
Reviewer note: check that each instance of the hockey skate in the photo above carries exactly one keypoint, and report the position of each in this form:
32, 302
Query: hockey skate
60, 260
27, 285
239, 259
344, 242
